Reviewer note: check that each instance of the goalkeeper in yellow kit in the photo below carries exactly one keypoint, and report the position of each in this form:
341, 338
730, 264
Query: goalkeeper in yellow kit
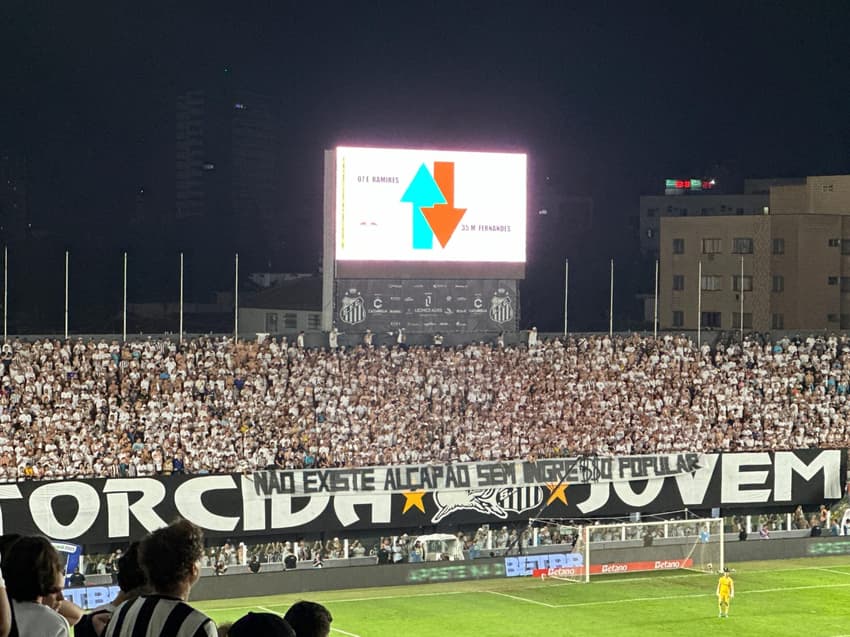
725, 592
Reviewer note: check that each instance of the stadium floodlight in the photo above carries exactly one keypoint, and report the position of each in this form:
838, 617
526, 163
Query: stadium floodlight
627, 547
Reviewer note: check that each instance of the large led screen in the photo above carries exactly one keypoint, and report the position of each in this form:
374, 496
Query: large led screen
430, 206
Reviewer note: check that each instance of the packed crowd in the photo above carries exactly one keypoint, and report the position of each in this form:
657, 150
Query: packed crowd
155, 577
77, 408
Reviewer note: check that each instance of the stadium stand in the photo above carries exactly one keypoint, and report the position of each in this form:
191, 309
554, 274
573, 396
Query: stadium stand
98, 408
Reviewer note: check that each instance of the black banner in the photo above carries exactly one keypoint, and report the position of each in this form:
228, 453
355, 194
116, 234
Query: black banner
426, 306
336, 500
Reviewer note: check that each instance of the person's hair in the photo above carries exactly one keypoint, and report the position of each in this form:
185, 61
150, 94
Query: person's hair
30, 567
264, 624
130, 574
309, 619
168, 555
6, 542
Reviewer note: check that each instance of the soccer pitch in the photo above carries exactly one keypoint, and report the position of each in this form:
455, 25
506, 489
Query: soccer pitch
791, 597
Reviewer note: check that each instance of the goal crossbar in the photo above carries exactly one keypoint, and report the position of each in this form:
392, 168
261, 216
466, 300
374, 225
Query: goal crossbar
694, 544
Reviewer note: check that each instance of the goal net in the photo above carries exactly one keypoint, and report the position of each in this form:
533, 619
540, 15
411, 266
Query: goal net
628, 547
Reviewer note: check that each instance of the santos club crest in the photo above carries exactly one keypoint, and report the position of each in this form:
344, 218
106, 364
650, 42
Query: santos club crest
352, 309
495, 502
501, 307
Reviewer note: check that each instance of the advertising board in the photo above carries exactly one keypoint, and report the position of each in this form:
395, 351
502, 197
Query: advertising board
426, 306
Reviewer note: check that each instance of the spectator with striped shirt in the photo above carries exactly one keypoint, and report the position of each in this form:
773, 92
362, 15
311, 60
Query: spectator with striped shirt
170, 557
132, 582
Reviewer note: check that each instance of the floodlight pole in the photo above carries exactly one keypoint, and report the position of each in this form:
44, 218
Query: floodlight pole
66, 294
655, 311
124, 312
180, 310
236, 302
5, 293
699, 305
742, 298
566, 293
611, 304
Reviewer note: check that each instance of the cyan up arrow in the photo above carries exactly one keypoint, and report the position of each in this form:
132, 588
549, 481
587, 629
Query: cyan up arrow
423, 192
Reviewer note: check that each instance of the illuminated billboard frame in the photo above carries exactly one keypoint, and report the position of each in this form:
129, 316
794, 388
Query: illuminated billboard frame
429, 206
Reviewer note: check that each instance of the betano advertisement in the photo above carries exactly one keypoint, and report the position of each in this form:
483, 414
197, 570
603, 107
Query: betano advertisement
430, 206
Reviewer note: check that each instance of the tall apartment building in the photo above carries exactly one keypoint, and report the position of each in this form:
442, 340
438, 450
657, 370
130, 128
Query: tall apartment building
795, 258
228, 143
702, 199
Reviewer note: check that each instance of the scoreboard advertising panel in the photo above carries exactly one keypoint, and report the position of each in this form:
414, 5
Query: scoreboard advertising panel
429, 206
426, 306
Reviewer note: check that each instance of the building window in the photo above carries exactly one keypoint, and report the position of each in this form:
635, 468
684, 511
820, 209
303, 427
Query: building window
271, 322
711, 319
827, 187
651, 212
834, 243
778, 283
678, 246
290, 320
777, 322
748, 283
711, 283
845, 246
678, 318
832, 318
779, 246
748, 320
712, 246
314, 321
678, 282
739, 211
845, 322
832, 280
742, 245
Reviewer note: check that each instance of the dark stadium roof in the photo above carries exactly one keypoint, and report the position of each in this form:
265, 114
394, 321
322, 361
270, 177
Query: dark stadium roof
304, 293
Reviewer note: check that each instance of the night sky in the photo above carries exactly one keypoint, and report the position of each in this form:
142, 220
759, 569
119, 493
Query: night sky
607, 100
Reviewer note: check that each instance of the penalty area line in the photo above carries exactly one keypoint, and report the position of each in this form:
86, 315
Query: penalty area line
832, 570
522, 599
371, 598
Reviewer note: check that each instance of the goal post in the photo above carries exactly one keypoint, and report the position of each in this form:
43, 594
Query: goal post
695, 544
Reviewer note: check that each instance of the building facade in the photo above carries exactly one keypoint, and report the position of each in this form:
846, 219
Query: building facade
688, 202
789, 267
228, 168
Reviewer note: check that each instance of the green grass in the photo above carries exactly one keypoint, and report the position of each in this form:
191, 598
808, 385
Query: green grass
793, 597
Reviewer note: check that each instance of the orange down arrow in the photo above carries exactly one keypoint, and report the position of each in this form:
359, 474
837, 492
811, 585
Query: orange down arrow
443, 218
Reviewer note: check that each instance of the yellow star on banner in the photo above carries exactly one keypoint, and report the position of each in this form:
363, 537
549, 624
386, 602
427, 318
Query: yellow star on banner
413, 499
557, 492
